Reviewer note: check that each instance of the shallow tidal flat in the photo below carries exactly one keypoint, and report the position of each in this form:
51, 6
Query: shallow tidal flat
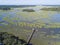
21, 23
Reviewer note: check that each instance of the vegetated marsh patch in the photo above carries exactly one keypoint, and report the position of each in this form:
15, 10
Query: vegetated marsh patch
28, 10
51, 9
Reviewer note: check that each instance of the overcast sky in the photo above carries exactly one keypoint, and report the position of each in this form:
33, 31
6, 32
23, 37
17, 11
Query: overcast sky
29, 2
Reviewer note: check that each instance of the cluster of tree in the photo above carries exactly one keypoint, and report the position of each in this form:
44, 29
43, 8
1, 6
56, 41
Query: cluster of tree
5, 8
9, 39
28, 10
17, 6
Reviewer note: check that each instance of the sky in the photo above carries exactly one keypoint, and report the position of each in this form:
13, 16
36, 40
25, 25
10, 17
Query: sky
29, 2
